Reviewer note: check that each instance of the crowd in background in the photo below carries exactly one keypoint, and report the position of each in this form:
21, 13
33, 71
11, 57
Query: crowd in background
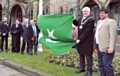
28, 32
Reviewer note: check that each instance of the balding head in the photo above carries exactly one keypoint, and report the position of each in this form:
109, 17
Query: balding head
32, 22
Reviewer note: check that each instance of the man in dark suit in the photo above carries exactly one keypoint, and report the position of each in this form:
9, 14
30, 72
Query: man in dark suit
25, 36
5, 28
16, 30
85, 40
35, 38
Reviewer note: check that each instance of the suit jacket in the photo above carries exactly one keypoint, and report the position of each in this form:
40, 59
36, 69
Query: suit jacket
16, 33
85, 35
37, 30
30, 32
107, 34
25, 33
5, 28
16, 30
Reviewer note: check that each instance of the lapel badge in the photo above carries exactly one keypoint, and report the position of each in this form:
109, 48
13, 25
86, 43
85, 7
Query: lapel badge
80, 27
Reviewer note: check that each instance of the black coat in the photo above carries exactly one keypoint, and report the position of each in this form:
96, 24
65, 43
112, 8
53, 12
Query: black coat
16, 33
31, 30
5, 28
86, 36
38, 31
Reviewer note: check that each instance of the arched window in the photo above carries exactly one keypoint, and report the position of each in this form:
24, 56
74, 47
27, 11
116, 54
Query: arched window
16, 12
95, 12
61, 9
115, 11
71, 10
31, 14
46, 10
94, 9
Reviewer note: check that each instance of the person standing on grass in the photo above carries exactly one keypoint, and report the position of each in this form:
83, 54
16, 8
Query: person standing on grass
85, 40
25, 36
16, 30
34, 42
5, 28
106, 36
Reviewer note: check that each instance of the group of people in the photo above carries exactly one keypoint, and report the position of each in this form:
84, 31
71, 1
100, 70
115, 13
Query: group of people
28, 32
105, 39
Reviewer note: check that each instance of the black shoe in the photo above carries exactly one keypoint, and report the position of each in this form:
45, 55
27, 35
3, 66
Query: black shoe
17, 51
88, 74
31, 54
80, 71
35, 53
13, 51
22, 53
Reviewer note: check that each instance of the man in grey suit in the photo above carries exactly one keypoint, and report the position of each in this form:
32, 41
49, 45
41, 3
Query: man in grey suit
106, 36
34, 42
25, 39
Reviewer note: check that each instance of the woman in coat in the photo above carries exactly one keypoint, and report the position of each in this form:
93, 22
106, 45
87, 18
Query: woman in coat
16, 34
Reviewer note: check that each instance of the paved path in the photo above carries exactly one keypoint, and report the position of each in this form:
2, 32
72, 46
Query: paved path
5, 71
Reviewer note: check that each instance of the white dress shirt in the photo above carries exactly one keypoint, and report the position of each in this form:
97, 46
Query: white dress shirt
35, 30
97, 30
84, 17
16, 25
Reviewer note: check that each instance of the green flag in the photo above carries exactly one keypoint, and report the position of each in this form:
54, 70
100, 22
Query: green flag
57, 32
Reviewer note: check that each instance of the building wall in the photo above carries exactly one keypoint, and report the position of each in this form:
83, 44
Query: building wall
76, 5
25, 8
55, 5
30, 7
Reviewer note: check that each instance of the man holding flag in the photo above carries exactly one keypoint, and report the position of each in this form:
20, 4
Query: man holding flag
85, 40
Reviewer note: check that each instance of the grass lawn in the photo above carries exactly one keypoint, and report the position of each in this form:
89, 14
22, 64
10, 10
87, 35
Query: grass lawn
39, 62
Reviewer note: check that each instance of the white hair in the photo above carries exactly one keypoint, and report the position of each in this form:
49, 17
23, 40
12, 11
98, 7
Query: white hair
26, 19
86, 9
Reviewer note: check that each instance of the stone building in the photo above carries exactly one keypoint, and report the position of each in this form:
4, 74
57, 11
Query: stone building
29, 8
63, 6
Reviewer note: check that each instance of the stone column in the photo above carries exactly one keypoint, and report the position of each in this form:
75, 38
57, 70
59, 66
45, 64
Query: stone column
35, 10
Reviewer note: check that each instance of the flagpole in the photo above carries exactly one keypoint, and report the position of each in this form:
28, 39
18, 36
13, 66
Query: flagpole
40, 34
40, 7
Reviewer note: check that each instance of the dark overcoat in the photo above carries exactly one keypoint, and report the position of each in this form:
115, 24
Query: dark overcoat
30, 32
38, 30
5, 28
85, 35
16, 34
25, 33
31, 35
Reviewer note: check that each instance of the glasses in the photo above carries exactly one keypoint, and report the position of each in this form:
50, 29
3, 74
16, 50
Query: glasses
102, 13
